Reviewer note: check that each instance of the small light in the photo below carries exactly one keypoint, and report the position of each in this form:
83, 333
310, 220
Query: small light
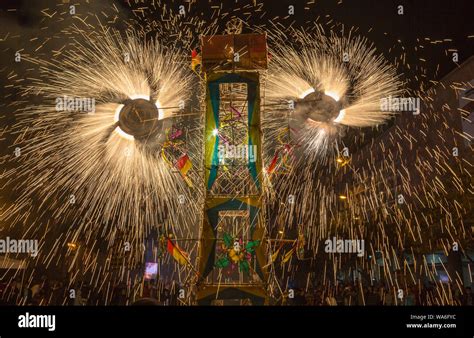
72, 246
343, 160
280, 232
342, 197
215, 132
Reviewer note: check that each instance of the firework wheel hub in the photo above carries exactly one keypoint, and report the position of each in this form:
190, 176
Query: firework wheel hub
318, 106
139, 118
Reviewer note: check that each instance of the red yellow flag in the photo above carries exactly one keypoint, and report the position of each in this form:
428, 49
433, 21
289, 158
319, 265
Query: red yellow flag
195, 60
184, 164
177, 253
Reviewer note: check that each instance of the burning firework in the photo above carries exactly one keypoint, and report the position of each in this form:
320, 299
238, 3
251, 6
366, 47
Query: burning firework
94, 147
328, 82
318, 88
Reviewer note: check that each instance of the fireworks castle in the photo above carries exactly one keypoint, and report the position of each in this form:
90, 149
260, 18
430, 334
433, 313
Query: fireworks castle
232, 250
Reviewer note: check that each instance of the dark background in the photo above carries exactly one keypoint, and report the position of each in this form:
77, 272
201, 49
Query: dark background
422, 19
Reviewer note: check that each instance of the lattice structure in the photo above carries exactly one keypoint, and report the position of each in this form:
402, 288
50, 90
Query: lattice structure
232, 248
234, 154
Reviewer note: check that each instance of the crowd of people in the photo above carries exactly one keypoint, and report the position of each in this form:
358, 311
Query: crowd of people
53, 292
355, 294
46, 292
